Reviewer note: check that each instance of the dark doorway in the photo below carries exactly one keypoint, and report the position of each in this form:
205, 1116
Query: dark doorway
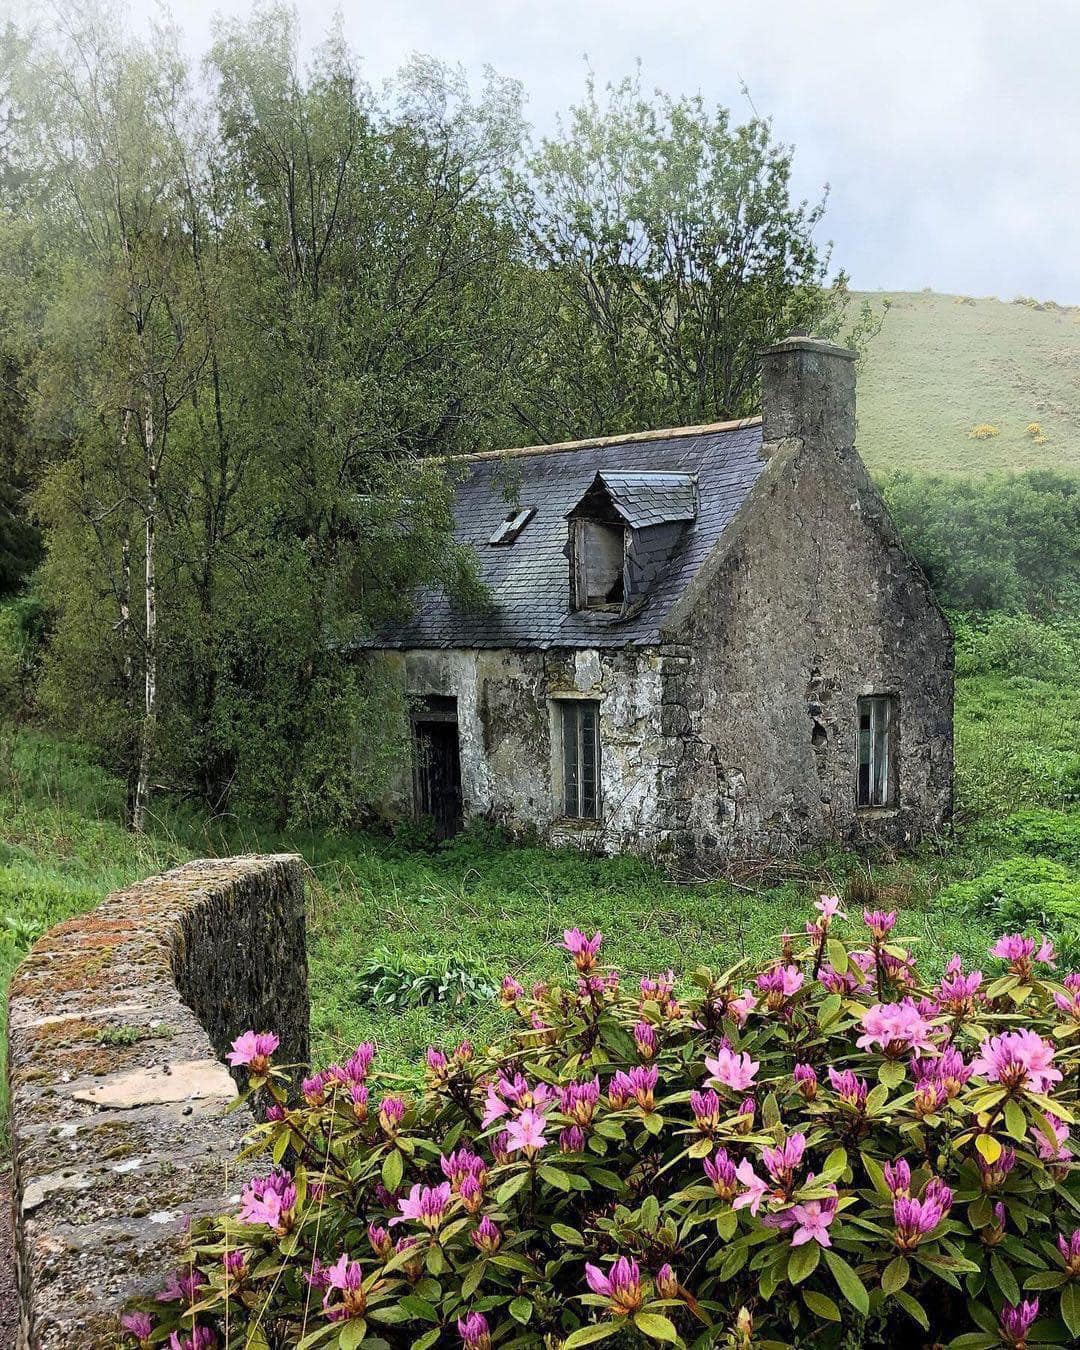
437, 764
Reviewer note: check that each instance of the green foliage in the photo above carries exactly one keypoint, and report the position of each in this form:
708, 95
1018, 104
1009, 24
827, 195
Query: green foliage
1016, 644
991, 890
1055, 834
392, 982
628, 1164
671, 252
999, 543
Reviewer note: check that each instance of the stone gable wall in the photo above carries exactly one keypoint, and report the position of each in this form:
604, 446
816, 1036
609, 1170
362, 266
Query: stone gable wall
117, 1021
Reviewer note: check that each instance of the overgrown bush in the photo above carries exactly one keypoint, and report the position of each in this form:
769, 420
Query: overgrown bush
394, 980
1053, 834
984, 894
1015, 644
831, 1154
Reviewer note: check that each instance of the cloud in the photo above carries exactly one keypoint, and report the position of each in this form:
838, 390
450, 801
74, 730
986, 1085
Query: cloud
949, 130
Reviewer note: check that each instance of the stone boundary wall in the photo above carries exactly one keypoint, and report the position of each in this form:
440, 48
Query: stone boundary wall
117, 1022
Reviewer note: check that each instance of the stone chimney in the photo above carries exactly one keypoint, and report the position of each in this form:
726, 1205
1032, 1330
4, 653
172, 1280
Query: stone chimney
807, 393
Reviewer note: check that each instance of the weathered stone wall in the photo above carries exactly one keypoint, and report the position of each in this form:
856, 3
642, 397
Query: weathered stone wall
117, 1021
506, 707
812, 603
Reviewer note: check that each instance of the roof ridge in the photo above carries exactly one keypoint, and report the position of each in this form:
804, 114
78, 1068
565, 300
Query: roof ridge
597, 442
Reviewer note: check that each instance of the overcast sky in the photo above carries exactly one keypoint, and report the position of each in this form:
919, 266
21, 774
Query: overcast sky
949, 130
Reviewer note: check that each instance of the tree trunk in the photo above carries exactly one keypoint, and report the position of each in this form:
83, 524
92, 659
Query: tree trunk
149, 723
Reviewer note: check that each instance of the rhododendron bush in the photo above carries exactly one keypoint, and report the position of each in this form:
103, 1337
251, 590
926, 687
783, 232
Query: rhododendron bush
826, 1151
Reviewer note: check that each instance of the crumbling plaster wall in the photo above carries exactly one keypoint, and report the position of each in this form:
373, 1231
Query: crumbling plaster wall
813, 603
507, 702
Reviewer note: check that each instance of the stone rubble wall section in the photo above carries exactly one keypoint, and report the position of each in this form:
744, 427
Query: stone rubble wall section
117, 1022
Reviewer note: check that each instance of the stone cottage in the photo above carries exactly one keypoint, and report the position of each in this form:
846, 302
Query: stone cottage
706, 642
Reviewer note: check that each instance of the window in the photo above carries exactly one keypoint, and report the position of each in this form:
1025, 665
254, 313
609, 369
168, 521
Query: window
508, 530
580, 758
598, 563
877, 781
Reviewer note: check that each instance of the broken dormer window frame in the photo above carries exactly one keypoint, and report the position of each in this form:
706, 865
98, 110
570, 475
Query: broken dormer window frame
586, 568
508, 529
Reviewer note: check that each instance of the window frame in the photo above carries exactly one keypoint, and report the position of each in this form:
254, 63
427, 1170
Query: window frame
580, 600
878, 742
573, 802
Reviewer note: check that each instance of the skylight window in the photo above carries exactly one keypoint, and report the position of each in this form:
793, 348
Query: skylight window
509, 529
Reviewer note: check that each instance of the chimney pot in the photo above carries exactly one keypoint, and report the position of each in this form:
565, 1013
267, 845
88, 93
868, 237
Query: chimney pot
808, 392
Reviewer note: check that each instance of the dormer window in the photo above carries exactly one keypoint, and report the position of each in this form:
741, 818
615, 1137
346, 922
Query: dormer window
508, 529
622, 534
597, 552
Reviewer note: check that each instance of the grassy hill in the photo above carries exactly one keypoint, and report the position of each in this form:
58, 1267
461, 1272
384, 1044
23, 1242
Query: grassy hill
943, 364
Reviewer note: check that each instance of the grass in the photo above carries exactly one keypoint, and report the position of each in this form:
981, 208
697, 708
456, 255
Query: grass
493, 908
944, 364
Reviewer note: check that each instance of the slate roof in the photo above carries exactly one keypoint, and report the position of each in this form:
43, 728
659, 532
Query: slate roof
529, 581
650, 498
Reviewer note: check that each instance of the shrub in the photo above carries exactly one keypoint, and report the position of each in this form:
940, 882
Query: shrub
1015, 644
984, 431
825, 1157
985, 893
392, 980
1054, 834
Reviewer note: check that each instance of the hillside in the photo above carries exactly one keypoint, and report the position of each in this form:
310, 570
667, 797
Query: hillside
943, 364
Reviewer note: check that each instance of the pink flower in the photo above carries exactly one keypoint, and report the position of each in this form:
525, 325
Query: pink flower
581, 948
638, 1085
959, 993
269, 1200
850, 1089
914, 1219
510, 991
571, 1139
806, 1080
1059, 1152
183, 1286
1069, 1247
254, 1049
667, 1286
382, 1244
138, 1324
391, 1114
1017, 1059
896, 1028
437, 1062
201, 1338
828, 906
706, 1109
880, 922
474, 1332
898, 1178
579, 1100
779, 984
1017, 1321
755, 1191
526, 1133
622, 1284
733, 1070
425, 1204
721, 1172
345, 1296
812, 1219
740, 1008
782, 1162
645, 1039
486, 1236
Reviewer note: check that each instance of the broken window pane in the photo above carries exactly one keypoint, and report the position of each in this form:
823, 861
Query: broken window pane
599, 564
876, 780
581, 758
508, 530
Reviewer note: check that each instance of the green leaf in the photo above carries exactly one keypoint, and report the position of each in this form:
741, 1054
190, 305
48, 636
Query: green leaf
565, 1233
1070, 1307
973, 1340
821, 1304
393, 1168
555, 1176
427, 1340
510, 1188
891, 1073
521, 1309
1006, 1280
352, 1333
1015, 1120
656, 1326
876, 1174
419, 1307
838, 957
895, 1275
913, 1308
599, 1331
848, 1281
473, 1276
1046, 1279
803, 1262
